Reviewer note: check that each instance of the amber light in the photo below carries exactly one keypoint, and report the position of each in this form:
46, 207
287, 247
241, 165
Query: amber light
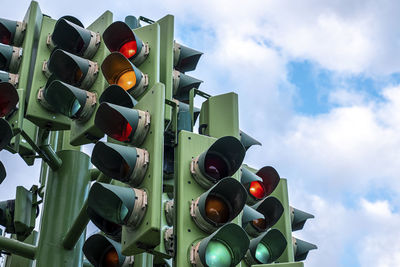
260, 224
129, 49
257, 190
217, 210
110, 259
216, 167
127, 80
5, 35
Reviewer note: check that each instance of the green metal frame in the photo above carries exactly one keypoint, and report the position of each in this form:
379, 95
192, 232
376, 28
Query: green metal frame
147, 235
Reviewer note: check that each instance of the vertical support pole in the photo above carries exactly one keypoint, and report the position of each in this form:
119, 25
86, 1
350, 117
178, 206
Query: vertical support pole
143, 260
66, 190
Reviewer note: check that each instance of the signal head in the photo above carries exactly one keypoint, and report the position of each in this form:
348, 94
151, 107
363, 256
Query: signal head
270, 178
222, 159
119, 205
73, 69
272, 210
119, 37
247, 140
115, 94
185, 58
70, 101
5, 133
301, 249
126, 164
218, 206
266, 248
10, 58
222, 248
3, 172
75, 39
12, 32
254, 186
299, 218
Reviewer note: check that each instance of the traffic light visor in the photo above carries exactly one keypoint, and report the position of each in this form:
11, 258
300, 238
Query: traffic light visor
102, 251
270, 178
5, 133
119, 37
8, 98
3, 173
11, 32
117, 69
222, 159
222, 248
115, 94
253, 184
272, 209
114, 203
75, 39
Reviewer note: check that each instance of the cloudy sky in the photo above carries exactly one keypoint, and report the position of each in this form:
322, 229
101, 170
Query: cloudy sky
318, 85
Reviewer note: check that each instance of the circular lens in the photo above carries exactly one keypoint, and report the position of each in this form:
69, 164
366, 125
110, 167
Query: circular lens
78, 76
127, 80
128, 49
260, 224
257, 190
216, 167
218, 255
110, 259
122, 133
216, 209
262, 253
74, 108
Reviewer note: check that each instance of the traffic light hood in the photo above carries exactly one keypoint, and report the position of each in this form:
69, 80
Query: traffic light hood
299, 218
270, 178
117, 69
12, 32
272, 210
266, 248
119, 37
208, 251
126, 164
72, 69
254, 186
222, 159
74, 38
301, 249
100, 251
70, 101
218, 206
249, 215
247, 140
3, 172
185, 58
115, 94
109, 228
10, 58
5, 133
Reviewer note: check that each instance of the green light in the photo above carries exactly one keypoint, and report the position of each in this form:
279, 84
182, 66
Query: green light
262, 253
75, 107
218, 255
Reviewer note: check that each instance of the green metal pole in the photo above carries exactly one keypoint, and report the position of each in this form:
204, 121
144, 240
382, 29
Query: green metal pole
81, 221
66, 191
18, 248
19, 261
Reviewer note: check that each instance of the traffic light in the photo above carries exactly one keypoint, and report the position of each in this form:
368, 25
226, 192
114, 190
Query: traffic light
66, 77
300, 247
8, 102
5, 133
266, 248
209, 201
133, 200
12, 32
10, 58
102, 252
222, 159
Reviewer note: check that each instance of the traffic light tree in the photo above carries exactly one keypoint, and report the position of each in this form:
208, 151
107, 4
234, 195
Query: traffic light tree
160, 194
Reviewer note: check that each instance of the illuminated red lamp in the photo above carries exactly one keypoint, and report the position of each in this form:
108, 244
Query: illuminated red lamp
257, 189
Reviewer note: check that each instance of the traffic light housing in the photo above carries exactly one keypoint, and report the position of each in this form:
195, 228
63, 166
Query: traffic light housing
102, 251
121, 163
301, 249
247, 140
3, 172
12, 32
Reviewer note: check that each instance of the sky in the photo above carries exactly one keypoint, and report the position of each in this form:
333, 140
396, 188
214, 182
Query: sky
319, 87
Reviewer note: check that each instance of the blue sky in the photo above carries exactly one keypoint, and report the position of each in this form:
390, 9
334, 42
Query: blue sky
318, 85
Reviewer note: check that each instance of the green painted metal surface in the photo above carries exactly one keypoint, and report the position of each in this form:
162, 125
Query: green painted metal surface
17, 247
19, 261
35, 112
220, 115
66, 191
87, 132
292, 264
147, 235
284, 224
167, 59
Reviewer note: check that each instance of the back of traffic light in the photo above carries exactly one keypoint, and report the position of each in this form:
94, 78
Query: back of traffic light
300, 247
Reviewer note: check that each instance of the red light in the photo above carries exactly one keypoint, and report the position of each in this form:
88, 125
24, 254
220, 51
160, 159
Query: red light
5, 35
215, 167
122, 133
110, 258
257, 190
128, 49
